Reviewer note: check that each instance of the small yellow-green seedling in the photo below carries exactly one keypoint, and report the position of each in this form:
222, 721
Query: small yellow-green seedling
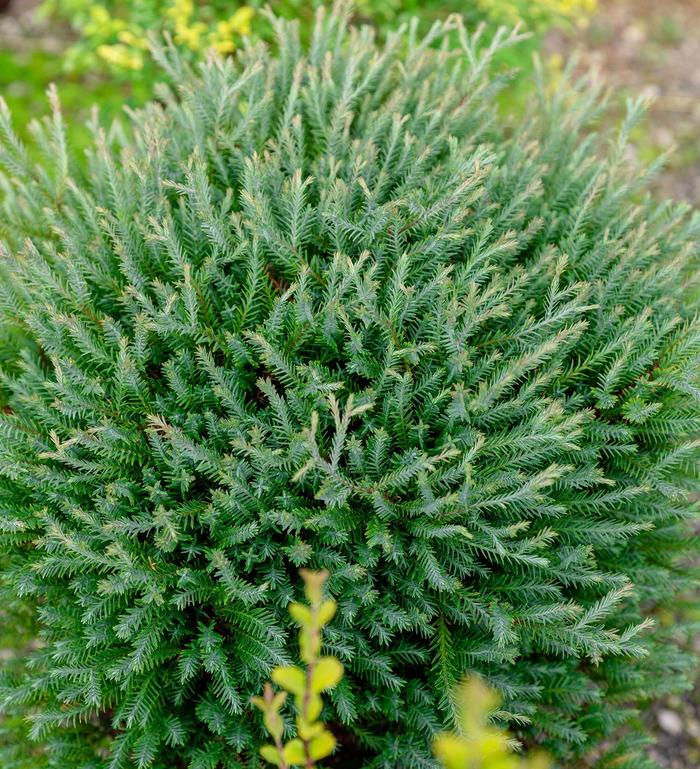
313, 741
478, 744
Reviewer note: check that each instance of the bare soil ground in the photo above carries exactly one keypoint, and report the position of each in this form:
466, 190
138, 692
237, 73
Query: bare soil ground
651, 48
21, 29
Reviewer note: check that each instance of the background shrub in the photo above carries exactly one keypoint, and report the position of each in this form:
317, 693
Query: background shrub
328, 309
116, 34
103, 56
97, 51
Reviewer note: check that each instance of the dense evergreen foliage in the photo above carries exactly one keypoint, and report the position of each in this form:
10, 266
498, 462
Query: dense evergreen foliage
326, 308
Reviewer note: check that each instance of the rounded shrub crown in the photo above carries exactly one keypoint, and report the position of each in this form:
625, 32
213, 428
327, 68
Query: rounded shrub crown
323, 308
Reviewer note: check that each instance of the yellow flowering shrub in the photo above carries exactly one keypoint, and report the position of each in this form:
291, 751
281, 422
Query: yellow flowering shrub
116, 34
538, 14
198, 36
117, 37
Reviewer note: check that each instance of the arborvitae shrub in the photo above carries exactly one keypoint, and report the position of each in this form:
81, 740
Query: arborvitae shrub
327, 308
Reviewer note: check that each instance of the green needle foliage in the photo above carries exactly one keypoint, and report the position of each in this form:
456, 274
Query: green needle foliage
325, 309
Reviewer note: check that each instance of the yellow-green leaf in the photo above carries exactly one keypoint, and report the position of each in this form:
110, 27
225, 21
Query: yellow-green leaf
475, 700
314, 582
300, 614
307, 731
279, 699
309, 706
452, 750
326, 674
259, 703
326, 612
504, 762
294, 752
491, 742
292, 679
274, 724
322, 746
309, 645
269, 753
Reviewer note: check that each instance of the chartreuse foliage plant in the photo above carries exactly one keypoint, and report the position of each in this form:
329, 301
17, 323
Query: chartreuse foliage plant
478, 744
313, 741
326, 308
